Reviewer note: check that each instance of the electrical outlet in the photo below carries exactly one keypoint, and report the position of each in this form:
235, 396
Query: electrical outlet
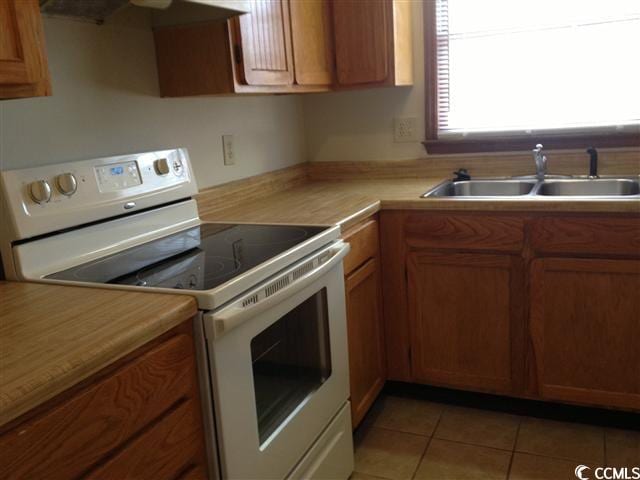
405, 129
228, 150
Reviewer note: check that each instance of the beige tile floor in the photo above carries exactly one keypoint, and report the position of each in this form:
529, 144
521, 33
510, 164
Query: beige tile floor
404, 438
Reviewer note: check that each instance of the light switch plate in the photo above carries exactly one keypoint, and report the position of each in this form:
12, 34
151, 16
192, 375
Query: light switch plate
405, 129
228, 150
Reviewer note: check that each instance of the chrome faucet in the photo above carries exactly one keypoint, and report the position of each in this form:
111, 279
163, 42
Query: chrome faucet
541, 161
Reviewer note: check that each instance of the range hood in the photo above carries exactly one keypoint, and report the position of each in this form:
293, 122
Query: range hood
166, 12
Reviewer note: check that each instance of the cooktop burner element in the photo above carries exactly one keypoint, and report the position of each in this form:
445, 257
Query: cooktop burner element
199, 258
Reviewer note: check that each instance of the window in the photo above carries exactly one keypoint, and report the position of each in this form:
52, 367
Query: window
507, 70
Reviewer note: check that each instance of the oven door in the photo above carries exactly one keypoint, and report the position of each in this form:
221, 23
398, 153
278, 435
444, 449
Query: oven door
278, 361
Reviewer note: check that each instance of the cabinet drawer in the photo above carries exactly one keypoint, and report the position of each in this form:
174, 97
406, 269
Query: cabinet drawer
363, 239
609, 236
467, 232
172, 446
65, 441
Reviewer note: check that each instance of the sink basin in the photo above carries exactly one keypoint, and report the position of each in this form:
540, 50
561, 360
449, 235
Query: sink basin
601, 187
482, 188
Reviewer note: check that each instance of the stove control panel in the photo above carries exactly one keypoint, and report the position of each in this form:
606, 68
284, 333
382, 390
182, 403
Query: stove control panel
54, 197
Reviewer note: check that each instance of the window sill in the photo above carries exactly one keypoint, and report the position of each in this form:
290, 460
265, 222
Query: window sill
525, 143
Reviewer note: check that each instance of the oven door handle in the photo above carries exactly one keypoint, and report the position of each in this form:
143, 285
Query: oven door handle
260, 299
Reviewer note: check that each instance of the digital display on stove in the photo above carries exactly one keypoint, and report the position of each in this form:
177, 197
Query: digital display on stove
117, 176
199, 258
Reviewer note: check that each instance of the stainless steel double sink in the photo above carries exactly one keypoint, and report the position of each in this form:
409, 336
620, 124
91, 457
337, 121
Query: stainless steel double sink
574, 187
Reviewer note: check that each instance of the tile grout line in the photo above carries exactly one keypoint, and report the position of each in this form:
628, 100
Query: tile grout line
459, 442
566, 459
373, 425
431, 437
545, 455
376, 477
513, 450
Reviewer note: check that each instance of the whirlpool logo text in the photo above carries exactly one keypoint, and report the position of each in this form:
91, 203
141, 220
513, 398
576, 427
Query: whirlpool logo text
608, 473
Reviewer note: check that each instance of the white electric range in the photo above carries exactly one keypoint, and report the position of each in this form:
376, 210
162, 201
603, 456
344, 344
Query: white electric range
271, 331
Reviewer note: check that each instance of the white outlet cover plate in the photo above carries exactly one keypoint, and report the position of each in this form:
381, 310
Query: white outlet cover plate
228, 150
405, 129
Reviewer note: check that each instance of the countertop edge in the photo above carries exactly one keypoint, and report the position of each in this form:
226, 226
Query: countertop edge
86, 366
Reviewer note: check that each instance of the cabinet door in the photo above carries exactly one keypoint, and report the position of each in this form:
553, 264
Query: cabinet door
362, 43
366, 338
23, 68
265, 37
466, 320
585, 330
312, 42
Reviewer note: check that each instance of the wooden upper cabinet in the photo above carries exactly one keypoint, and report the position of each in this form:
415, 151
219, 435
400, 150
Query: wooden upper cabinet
312, 37
585, 330
23, 64
253, 53
466, 320
264, 35
362, 44
373, 42
289, 46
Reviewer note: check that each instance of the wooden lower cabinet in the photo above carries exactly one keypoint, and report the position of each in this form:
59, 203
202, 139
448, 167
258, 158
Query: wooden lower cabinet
367, 364
365, 328
466, 319
585, 330
140, 419
531, 305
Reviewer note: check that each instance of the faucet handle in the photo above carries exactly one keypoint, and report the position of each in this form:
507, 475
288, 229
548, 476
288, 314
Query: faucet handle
462, 175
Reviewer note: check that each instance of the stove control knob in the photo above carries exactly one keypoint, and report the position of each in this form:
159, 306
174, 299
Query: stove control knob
67, 184
162, 166
40, 191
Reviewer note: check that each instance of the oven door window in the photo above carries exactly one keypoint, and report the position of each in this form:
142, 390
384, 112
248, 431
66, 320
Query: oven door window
290, 360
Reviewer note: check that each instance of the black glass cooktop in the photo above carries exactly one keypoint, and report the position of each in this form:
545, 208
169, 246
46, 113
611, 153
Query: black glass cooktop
199, 258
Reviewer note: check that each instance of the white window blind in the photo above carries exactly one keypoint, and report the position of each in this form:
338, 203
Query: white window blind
515, 66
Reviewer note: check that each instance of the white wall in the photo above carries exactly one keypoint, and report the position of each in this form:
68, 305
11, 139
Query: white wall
105, 101
358, 125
